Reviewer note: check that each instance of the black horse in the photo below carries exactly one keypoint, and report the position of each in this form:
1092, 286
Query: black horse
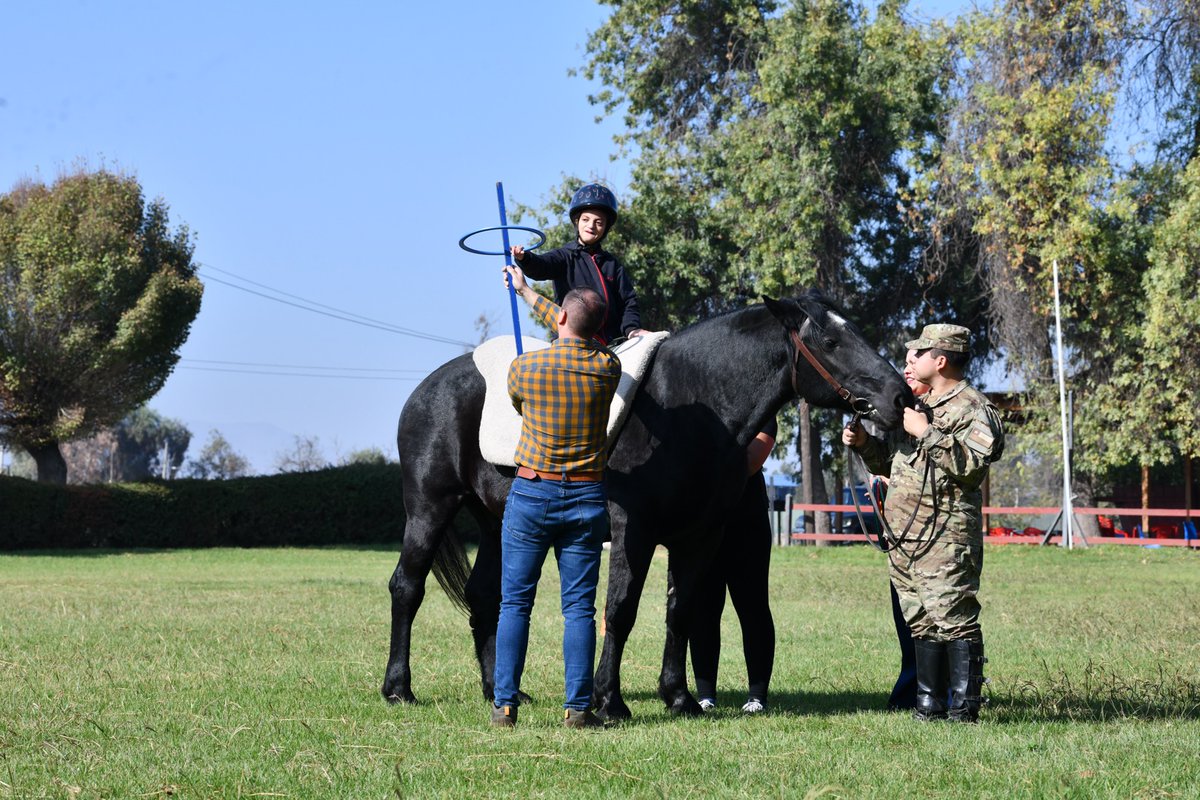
676, 467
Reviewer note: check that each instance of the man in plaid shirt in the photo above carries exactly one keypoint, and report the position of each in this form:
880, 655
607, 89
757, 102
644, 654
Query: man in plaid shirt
558, 500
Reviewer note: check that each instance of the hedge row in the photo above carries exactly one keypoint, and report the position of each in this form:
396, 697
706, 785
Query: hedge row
360, 503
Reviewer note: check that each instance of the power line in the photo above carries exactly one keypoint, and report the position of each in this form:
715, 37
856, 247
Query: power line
306, 375
314, 307
300, 366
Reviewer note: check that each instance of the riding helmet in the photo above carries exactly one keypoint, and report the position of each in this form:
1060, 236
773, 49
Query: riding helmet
593, 195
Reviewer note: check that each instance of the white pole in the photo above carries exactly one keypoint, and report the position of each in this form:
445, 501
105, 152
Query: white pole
1068, 512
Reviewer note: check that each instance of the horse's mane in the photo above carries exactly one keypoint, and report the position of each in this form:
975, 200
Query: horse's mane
810, 300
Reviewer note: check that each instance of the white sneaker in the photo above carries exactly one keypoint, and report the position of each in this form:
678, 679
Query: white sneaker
707, 704
754, 706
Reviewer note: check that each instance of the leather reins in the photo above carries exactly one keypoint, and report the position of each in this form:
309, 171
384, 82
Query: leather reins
861, 407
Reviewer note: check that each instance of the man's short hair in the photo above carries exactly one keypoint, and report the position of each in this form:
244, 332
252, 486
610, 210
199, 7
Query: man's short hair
585, 308
954, 359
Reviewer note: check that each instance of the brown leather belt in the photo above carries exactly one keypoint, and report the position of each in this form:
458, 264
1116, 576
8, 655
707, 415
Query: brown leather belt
574, 477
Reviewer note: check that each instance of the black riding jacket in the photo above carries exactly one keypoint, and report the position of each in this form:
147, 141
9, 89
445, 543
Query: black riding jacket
575, 266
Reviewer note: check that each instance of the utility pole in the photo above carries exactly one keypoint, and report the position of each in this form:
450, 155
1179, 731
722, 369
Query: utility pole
1068, 512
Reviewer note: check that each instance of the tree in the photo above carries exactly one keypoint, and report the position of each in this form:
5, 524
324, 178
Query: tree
218, 460
676, 66
1025, 163
144, 437
96, 296
305, 456
131, 450
92, 460
367, 455
776, 144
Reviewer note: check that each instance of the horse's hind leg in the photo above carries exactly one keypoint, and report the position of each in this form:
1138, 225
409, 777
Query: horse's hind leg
422, 537
483, 598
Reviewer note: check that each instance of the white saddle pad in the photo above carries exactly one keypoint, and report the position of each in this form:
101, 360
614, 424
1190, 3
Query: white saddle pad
500, 427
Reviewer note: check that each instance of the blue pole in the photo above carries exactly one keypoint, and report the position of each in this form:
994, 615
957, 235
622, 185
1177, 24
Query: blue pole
512, 293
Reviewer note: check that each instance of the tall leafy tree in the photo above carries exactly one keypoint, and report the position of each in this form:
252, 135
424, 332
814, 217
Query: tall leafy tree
775, 145
1025, 180
1145, 410
676, 66
97, 294
1025, 163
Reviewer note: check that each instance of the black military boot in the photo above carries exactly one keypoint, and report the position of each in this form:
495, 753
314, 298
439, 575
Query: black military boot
931, 680
966, 679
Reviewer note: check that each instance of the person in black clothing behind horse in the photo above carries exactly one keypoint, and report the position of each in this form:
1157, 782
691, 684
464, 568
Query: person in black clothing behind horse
584, 264
741, 563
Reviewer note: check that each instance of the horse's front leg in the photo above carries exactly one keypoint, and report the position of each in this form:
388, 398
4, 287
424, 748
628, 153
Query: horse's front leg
683, 573
627, 570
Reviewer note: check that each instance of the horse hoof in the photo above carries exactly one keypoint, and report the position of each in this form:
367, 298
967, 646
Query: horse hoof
686, 706
614, 711
404, 696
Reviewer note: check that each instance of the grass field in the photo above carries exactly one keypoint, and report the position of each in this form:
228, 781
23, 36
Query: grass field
255, 673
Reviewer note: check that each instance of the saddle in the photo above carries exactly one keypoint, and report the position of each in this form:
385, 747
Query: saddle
500, 426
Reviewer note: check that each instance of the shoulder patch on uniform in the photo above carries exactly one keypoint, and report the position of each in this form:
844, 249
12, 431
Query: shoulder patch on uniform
980, 438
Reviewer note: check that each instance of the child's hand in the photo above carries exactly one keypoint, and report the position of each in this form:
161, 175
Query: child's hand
518, 252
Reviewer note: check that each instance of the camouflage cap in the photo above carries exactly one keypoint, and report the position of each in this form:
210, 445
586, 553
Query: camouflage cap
954, 338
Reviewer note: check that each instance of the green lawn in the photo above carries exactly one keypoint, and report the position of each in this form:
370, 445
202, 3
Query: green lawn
255, 673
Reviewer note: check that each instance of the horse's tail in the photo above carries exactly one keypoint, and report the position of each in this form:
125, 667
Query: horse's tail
452, 569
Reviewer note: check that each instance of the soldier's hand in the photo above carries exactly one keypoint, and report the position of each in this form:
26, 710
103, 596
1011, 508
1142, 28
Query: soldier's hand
854, 436
915, 422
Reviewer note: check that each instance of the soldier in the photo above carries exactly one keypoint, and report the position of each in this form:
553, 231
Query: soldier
935, 508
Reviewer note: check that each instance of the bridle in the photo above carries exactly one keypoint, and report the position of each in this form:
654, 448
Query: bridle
858, 405
888, 539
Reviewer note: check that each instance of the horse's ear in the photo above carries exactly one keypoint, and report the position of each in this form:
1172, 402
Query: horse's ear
790, 313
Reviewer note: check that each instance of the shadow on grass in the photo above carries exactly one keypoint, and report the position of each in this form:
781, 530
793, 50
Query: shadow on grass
1096, 693
791, 703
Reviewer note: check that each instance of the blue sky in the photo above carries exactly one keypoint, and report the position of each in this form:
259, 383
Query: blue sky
336, 152
333, 151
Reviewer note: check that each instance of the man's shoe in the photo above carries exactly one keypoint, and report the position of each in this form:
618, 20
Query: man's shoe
707, 704
504, 716
574, 718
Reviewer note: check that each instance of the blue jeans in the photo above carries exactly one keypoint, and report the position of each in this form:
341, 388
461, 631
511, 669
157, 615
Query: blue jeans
573, 519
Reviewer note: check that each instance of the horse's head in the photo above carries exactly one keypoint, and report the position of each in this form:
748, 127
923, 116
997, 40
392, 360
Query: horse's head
833, 365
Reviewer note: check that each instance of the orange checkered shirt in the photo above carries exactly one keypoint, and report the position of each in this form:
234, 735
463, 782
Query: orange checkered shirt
563, 394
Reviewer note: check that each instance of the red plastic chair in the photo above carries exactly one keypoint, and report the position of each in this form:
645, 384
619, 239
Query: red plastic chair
1165, 531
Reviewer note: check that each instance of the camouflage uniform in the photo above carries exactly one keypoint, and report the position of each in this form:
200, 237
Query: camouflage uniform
938, 588
935, 481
